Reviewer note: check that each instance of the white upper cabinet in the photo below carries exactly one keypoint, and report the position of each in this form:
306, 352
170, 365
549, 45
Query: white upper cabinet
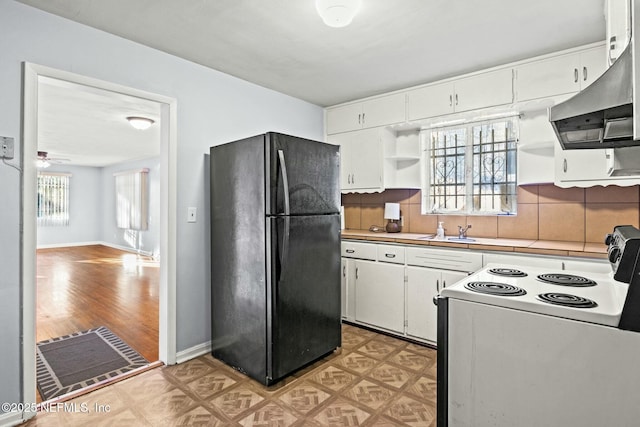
430, 101
484, 90
360, 159
381, 111
561, 74
574, 168
344, 118
469, 93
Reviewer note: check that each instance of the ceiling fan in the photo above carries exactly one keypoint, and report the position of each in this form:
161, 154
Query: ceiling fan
44, 161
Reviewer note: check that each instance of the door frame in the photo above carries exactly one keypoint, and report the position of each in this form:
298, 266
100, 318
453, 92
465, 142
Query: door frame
28, 242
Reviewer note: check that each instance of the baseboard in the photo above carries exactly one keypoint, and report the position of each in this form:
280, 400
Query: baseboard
110, 245
69, 245
193, 352
10, 419
126, 249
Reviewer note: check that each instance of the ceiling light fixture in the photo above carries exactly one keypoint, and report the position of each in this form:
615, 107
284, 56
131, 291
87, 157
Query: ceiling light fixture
43, 160
337, 13
141, 123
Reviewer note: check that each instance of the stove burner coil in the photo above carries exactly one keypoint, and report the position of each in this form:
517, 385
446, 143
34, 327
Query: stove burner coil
507, 272
567, 300
493, 288
566, 280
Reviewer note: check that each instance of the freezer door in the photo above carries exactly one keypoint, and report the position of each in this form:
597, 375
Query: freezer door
305, 292
304, 176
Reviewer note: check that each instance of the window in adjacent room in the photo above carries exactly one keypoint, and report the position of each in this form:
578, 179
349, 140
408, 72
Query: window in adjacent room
132, 199
471, 168
53, 199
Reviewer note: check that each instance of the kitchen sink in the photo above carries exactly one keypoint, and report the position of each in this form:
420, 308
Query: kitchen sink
461, 239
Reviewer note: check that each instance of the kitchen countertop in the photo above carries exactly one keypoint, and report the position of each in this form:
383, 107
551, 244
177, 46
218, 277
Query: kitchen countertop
544, 247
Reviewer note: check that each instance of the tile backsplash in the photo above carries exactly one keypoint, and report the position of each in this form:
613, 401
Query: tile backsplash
545, 212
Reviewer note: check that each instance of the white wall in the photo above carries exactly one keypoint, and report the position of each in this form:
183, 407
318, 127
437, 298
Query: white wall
92, 209
212, 108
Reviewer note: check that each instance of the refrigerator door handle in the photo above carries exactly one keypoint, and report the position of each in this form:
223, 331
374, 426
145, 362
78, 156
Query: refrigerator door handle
287, 222
285, 244
285, 181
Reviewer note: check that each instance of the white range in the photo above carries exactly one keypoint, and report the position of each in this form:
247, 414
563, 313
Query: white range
528, 346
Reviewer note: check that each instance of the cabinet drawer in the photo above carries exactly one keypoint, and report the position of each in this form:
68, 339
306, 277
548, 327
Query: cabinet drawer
444, 259
389, 253
358, 250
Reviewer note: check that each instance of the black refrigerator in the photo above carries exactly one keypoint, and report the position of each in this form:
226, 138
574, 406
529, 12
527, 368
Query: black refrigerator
275, 253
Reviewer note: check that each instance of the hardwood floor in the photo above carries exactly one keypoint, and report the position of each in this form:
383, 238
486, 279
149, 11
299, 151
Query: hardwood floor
84, 287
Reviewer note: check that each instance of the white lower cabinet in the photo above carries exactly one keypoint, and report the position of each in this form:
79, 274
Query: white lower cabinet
423, 284
379, 289
385, 286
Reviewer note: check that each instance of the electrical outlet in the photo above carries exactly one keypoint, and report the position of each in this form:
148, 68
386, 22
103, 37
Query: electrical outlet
6, 147
191, 214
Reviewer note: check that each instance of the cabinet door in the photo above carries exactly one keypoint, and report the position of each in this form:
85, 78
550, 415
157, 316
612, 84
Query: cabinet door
484, 90
422, 286
380, 295
549, 77
430, 101
348, 289
344, 118
383, 111
594, 63
344, 141
360, 159
580, 165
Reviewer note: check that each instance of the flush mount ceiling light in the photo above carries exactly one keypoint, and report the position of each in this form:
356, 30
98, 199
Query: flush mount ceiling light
337, 13
141, 123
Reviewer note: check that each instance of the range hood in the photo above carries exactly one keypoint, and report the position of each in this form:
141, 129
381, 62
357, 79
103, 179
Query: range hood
603, 114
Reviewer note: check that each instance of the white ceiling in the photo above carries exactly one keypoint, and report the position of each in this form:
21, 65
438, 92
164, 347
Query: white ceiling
88, 126
391, 44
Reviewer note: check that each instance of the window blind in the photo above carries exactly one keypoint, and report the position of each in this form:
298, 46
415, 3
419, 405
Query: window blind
53, 199
132, 201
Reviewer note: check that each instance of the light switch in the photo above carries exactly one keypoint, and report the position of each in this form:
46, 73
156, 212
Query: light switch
191, 214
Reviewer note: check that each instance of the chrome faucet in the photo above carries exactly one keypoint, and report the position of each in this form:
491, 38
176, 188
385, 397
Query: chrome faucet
462, 231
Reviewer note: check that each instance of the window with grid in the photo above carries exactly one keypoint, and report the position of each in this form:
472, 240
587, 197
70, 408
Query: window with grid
471, 169
132, 204
53, 199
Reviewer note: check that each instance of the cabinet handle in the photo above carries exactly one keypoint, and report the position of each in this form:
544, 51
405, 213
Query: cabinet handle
450, 100
564, 165
350, 251
359, 119
438, 285
390, 255
356, 272
353, 178
575, 75
344, 271
363, 118
584, 74
456, 99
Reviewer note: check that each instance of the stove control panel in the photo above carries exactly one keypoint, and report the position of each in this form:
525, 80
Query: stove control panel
623, 248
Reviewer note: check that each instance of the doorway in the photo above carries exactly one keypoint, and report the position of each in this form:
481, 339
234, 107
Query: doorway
33, 75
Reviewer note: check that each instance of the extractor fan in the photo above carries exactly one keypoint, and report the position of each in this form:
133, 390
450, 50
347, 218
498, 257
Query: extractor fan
44, 161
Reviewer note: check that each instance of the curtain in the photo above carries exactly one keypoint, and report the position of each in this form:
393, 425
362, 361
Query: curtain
132, 199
